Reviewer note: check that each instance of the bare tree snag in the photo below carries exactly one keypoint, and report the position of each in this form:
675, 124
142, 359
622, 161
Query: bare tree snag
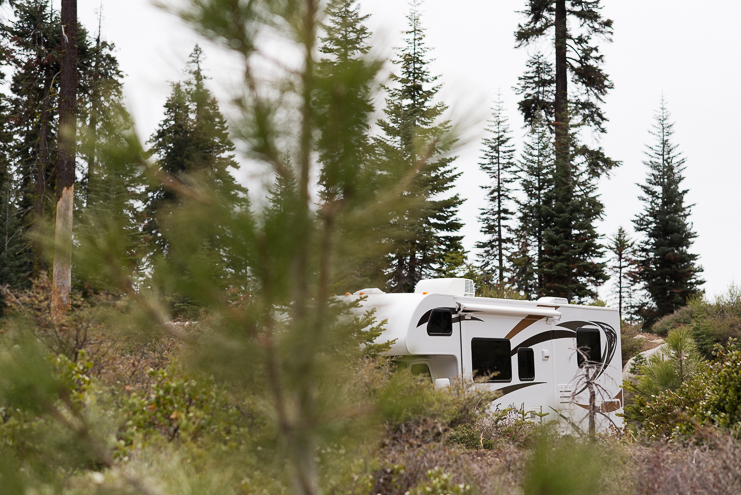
66, 161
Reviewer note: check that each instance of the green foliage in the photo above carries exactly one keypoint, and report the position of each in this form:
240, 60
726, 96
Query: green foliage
571, 244
666, 370
537, 88
414, 136
535, 175
570, 467
192, 145
711, 321
711, 397
439, 483
406, 399
667, 269
630, 346
622, 266
584, 71
496, 429
496, 218
32, 51
181, 407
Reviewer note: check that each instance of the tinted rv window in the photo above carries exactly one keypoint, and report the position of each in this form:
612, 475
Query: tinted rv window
588, 341
490, 358
440, 323
526, 364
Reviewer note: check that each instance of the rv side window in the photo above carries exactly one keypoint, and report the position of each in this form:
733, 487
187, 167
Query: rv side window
440, 323
421, 370
526, 364
490, 358
588, 342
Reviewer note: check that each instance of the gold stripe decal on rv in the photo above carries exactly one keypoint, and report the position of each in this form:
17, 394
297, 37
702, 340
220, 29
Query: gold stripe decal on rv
523, 324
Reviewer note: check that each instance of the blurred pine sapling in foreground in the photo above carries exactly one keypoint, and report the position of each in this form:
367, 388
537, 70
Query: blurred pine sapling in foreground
297, 367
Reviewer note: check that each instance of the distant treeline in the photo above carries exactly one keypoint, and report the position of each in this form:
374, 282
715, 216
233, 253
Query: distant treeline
538, 225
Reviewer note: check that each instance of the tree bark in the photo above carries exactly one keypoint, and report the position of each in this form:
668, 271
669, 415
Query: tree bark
67, 145
561, 100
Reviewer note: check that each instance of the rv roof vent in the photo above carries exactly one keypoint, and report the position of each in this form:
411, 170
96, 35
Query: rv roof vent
451, 286
374, 290
561, 301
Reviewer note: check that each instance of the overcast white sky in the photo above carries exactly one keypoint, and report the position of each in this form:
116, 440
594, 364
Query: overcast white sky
676, 48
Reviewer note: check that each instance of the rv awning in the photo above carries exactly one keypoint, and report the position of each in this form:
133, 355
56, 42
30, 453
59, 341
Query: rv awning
496, 309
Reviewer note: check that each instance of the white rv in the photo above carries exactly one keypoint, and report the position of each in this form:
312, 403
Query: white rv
527, 350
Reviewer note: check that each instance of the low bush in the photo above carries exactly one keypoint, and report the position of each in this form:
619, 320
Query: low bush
711, 397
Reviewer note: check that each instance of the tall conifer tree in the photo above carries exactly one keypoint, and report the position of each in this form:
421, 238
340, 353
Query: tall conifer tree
572, 250
344, 111
413, 135
66, 160
535, 210
340, 112
35, 39
192, 146
496, 218
622, 266
667, 268
573, 26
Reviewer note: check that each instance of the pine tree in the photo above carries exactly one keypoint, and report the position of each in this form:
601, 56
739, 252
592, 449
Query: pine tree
622, 266
413, 136
667, 269
344, 111
344, 115
192, 147
33, 54
572, 247
535, 210
577, 58
112, 187
496, 217
537, 88
191, 144
13, 269
35, 39
572, 272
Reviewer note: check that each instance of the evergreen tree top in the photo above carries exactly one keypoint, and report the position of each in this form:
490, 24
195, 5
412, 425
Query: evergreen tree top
346, 35
664, 152
541, 15
537, 88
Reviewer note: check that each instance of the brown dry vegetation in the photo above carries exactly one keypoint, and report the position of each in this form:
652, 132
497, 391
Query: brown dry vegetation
501, 455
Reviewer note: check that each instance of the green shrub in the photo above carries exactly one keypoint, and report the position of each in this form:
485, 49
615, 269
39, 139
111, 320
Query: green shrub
711, 397
680, 318
181, 407
665, 371
439, 483
569, 466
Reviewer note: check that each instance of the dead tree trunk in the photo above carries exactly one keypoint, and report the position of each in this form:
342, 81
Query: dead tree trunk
66, 160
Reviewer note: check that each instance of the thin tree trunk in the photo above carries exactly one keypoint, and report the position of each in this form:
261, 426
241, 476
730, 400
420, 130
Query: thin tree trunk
563, 161
592, 399
93, 127
561, 100
41, 165
500, 249
66, 161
